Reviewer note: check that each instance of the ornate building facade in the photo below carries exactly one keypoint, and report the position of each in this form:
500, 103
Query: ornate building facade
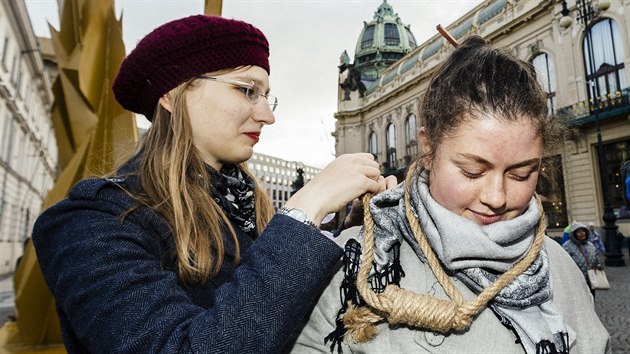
28, 149
590, 87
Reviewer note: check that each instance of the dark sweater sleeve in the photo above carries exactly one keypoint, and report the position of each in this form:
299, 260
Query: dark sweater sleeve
109, 284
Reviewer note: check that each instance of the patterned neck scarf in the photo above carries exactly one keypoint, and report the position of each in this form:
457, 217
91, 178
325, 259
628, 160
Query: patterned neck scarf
233, 190
477, 255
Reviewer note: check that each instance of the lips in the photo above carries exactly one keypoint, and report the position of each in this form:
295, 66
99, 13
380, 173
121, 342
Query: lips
485, 219
255, 136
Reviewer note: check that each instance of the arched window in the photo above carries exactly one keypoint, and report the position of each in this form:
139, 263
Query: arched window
392, 37
412, 39
606, 66
368, 37
411, 140
547, 76
390, 139
373, 144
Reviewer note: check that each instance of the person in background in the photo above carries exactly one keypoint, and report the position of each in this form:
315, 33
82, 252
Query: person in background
566, 232
455, 259
582, 251
596, 240
178, 250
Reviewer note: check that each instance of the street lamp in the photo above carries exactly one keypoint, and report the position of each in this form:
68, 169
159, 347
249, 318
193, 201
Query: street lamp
585, 13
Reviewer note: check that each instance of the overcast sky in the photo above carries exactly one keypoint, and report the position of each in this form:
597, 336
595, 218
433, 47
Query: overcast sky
306, 39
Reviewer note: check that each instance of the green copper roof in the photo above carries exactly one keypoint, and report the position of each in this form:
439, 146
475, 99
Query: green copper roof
382, 42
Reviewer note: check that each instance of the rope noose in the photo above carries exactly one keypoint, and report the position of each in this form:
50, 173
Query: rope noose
400, 306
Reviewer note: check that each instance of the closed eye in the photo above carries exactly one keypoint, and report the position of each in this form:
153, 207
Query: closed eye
523, 174
471, 175
520, 178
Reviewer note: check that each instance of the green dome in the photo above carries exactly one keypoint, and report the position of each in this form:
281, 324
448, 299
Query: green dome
382, 42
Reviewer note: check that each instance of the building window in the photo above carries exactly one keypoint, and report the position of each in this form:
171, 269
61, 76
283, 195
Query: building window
13, 67
411, 140
551, 190
547, 78
5, 49
18, 82
7, 139
368, 37
373, 144
390, 139
616, 154
392, 37
606, 68
412, 39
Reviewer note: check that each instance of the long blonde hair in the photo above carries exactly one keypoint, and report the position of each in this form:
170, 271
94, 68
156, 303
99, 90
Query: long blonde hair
176, 185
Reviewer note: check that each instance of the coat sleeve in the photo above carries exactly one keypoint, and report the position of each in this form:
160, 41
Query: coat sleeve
112, 291
322, 320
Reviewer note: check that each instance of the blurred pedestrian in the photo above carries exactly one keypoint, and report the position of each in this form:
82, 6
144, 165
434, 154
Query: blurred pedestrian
582, 251
595, 238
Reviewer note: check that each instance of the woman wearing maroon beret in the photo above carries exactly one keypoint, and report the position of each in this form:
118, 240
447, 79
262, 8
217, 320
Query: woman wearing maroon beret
179, 250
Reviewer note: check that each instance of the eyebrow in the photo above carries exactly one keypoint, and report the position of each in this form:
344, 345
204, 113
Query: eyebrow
247, 78
483, 161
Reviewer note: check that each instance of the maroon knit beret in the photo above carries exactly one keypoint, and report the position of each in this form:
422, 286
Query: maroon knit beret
182, 49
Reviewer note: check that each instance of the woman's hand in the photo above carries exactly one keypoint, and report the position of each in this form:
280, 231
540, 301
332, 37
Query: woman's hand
344, 179
355, 216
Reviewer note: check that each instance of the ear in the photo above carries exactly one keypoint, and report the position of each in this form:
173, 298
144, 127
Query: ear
425, 147
166, 103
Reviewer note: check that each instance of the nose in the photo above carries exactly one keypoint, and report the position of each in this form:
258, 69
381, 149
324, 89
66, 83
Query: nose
493, 194
262, 112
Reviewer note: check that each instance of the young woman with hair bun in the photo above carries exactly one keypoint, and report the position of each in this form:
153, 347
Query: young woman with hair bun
456, 260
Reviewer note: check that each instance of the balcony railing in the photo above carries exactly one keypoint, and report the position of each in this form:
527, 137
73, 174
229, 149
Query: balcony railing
609, 105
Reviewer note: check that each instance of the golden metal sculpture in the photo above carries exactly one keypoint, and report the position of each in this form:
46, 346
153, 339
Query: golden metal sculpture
213, 7
93, 133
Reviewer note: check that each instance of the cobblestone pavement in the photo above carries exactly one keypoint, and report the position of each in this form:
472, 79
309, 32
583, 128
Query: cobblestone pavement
613, 306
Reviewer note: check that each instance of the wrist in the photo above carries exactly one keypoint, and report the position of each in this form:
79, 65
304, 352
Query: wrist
299, 215
308, 206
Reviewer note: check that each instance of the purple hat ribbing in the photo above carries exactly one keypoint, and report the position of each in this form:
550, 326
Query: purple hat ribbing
182, 49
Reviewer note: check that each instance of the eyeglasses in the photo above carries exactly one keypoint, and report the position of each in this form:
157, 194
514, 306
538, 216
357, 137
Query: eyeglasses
248, 90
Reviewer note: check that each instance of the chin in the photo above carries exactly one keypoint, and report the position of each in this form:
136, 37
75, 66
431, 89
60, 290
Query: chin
242, 157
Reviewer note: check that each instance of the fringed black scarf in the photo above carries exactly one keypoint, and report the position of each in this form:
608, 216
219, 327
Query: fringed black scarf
233, 190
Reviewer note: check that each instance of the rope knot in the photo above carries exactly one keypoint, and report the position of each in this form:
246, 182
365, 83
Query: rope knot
424, 311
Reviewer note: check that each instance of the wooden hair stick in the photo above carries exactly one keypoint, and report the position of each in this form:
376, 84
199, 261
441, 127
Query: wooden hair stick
447, 35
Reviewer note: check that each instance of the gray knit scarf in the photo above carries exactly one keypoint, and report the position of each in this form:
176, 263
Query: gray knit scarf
478, 255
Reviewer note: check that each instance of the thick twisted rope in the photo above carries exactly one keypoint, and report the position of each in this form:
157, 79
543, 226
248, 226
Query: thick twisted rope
400, 306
